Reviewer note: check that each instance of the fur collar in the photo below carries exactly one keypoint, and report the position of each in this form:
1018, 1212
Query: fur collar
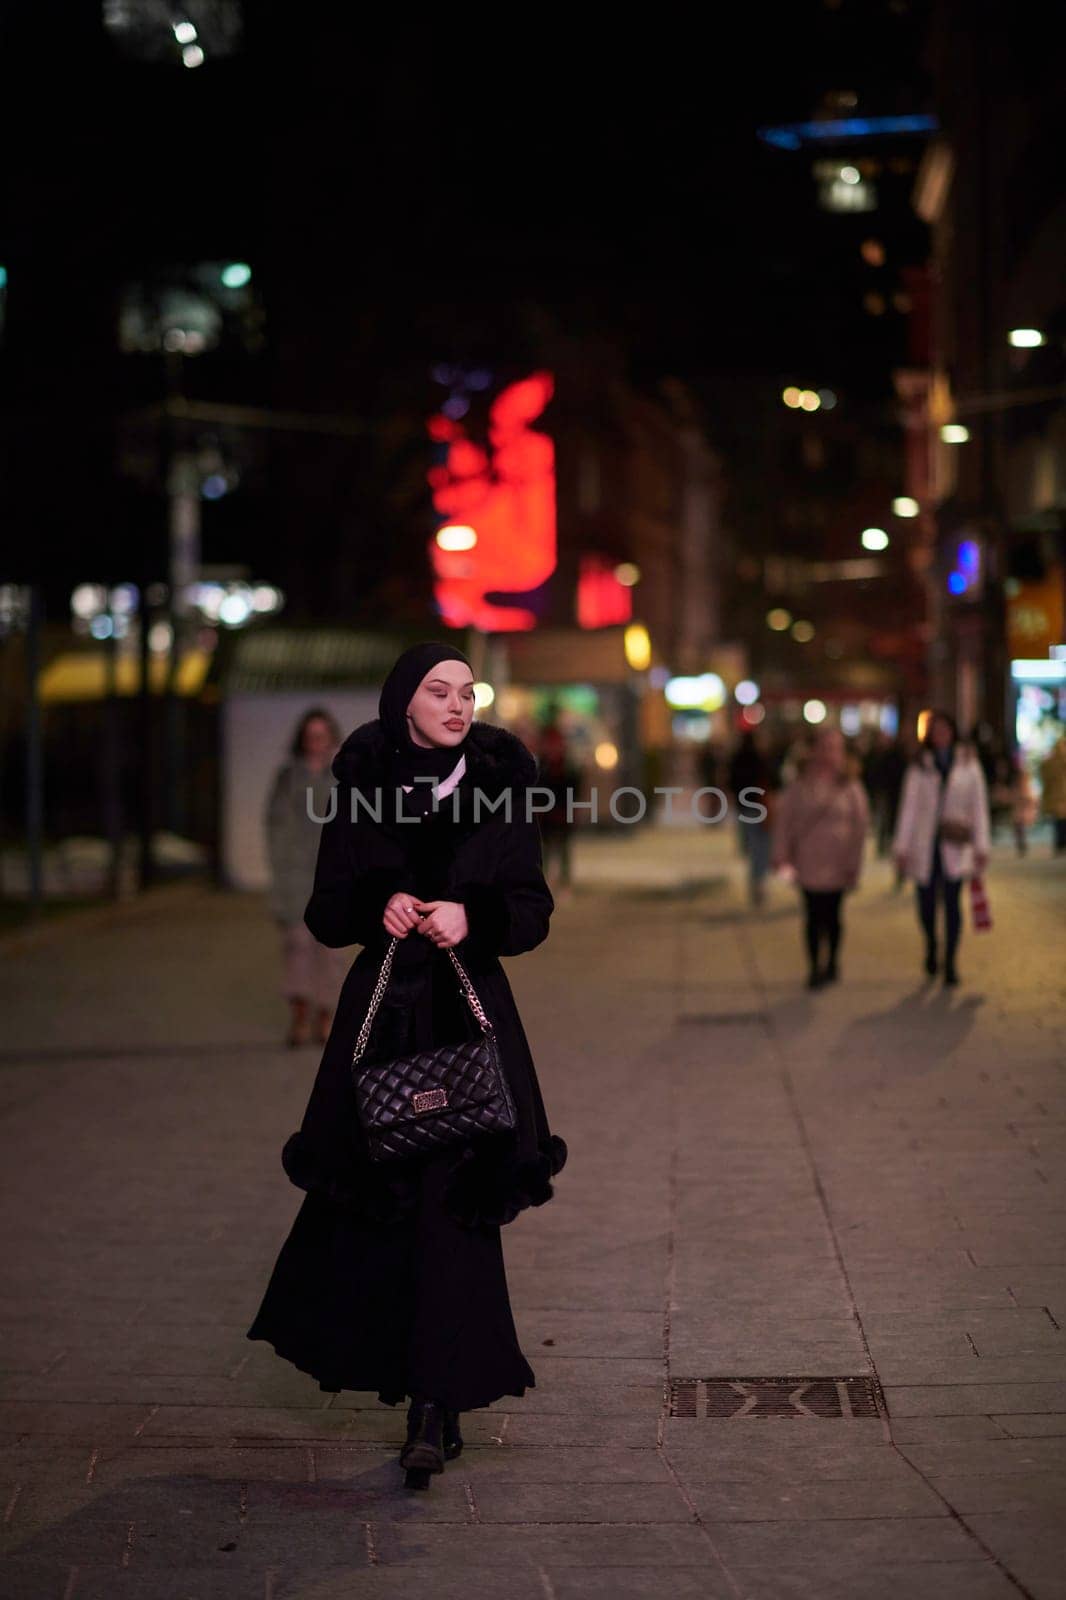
496, 759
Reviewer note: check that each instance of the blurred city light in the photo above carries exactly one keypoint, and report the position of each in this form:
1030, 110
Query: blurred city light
954, 433
809, 400
753, 715
966, 576
814, 711
872, 252
235, 608
606, 754
265, 598
747, 692
850, 720
1026, 338
828, 399
703, 693
627, 573
843, 188
637, 643
1038, 671
185, 32
923, 724
484, 695
236, 275
214, 486
102, 627
88, 599
192, 56
779, 619
874, 539
791, 135
791, 396
124, 598
456, 536
803, 632
456, 406
904, 506
160, 637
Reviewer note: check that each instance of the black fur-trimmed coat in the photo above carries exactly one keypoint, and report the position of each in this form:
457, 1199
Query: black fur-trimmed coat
490, 863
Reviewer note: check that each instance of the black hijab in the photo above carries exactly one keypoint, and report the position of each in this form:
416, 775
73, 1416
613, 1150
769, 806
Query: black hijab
408, 761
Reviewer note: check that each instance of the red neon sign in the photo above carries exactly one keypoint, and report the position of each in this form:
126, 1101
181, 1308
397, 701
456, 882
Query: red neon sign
507, 495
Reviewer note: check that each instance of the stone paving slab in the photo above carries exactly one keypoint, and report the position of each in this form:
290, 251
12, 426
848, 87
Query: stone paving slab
874, 1176
956, 1399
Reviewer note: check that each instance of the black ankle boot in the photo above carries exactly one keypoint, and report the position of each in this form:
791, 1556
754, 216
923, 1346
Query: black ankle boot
452, 1438
423, 1450
930, 959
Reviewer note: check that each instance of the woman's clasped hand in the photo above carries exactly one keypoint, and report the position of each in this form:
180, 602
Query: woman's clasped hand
442, 921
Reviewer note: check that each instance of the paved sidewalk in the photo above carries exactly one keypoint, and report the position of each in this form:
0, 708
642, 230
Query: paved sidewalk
863, 1183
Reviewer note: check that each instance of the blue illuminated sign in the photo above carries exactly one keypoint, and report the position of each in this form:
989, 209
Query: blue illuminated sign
791, 135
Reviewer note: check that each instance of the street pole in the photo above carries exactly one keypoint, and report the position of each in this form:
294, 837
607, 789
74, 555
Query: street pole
112, 768
145, 741
34, 753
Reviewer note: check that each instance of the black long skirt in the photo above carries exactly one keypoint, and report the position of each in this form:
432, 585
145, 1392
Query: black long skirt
414, 1307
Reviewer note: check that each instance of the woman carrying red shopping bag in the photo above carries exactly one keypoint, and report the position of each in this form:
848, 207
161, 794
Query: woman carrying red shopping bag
942, 836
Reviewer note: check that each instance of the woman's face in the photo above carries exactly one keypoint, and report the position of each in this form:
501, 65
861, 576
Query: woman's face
317, 741
442, 707
941, 736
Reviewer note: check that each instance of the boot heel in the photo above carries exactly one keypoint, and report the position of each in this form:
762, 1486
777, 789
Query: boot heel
423, 1450
416, 1478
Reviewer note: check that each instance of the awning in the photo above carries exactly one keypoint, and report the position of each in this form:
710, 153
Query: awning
82, 675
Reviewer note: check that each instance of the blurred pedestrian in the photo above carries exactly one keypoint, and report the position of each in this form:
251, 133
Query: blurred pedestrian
299, 802
883, 774
822, 821
559, 773
392, 1278
943, 832
750, 781
1053, 795
1023, 803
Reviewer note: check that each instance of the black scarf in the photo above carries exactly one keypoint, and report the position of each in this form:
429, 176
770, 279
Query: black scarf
407, 761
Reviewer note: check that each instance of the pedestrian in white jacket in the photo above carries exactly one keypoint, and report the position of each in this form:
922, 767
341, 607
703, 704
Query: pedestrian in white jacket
942, 835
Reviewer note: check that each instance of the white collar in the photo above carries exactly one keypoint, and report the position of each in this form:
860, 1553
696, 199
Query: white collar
447, 784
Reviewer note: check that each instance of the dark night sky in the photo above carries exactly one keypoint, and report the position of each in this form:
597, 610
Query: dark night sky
399, 188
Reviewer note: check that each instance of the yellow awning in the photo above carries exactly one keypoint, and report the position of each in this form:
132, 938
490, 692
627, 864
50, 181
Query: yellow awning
82, 675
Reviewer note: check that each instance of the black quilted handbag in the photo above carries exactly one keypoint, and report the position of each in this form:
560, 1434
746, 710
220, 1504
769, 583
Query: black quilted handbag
442, 1096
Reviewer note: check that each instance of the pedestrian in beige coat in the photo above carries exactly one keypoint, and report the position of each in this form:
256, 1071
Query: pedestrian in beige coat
311, 974
822, 822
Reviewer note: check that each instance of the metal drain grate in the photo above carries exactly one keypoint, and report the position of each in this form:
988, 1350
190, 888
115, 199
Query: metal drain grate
733, 1398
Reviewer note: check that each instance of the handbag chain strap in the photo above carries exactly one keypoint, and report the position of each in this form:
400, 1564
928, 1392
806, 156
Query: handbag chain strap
383, 982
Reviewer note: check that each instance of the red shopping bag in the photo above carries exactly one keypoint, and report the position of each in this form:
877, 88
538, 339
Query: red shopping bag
979, 908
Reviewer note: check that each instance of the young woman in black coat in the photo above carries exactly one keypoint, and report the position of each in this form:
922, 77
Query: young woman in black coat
392, 1279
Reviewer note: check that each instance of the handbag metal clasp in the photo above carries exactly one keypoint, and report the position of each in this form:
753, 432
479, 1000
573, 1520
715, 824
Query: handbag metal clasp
429, 1100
